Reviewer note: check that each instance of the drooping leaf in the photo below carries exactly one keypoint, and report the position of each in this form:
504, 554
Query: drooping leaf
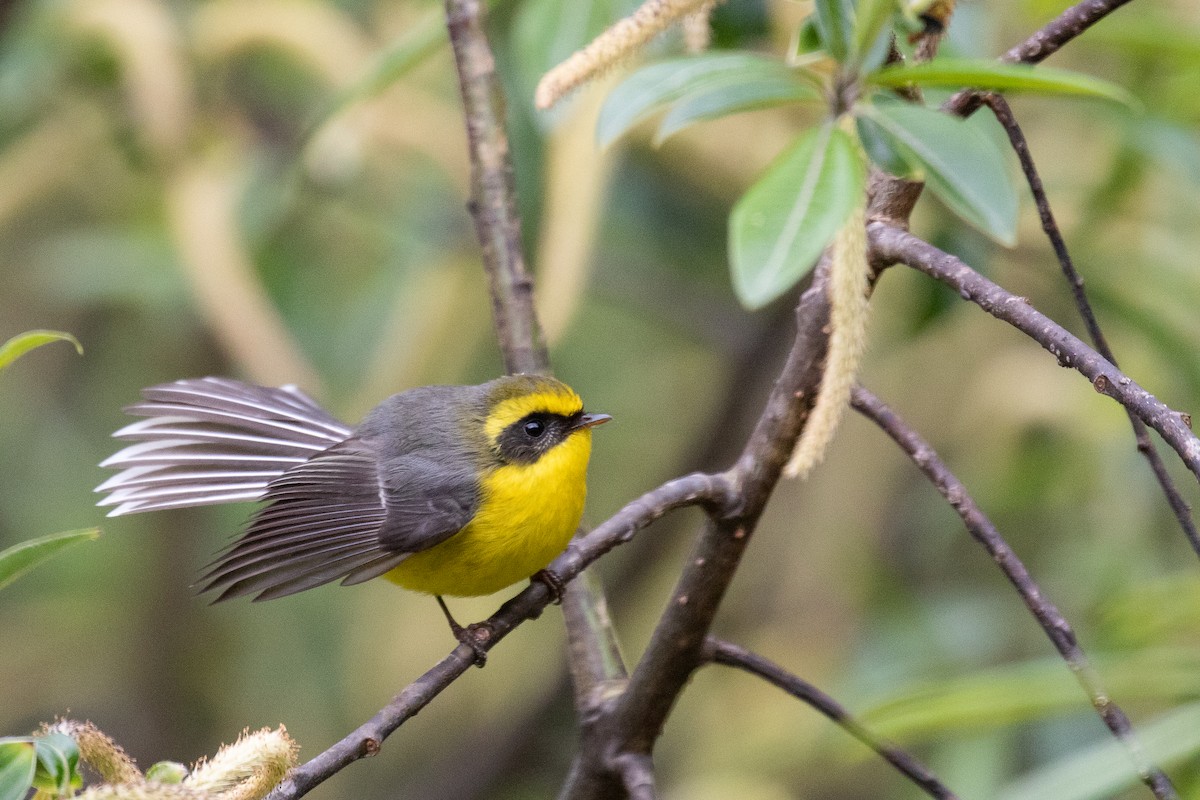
22, 343
18, 764
22, 557
717, 75
1103, 769
780, 226
1000, 77
835, 24
959, 163
741, 92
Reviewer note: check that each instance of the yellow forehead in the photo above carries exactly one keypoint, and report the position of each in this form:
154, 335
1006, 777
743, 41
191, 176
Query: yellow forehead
549, 399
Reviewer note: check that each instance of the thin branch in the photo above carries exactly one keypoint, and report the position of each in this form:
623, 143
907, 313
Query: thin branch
1145, 445
1045, 612
891, 245
696, 489
1066, 26
721, 652
1044, 43
493, 194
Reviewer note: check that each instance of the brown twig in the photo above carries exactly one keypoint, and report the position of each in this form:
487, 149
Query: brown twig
1145, 445
1061, 635
892, 245
493, 194
1050, 38
719, 651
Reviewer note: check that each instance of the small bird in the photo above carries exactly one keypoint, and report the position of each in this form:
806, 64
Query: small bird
446, 490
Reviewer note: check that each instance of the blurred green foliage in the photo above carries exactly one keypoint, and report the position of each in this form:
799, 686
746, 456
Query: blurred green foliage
175, 190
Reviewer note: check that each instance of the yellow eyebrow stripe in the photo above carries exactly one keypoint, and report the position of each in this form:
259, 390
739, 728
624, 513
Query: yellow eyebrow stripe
506, 412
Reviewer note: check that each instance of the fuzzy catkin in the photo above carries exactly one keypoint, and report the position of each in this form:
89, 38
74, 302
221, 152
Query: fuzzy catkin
623, 38
848, 315
99, 751
248, 768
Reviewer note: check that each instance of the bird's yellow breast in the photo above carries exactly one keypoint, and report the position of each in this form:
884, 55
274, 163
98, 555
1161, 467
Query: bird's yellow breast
526, 516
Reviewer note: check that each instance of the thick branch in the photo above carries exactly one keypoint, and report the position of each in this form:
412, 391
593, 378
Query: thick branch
676, 647
722, 652
498, 226
630, 723
1045, 612
893, 245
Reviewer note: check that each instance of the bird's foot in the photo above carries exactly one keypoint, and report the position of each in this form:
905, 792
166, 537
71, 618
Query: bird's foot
476, 636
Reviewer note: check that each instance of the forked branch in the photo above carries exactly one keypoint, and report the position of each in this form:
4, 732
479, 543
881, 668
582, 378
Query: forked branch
1059, 631
893, 245
1145, 444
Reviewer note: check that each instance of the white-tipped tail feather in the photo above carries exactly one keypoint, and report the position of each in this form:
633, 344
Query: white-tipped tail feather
213, 440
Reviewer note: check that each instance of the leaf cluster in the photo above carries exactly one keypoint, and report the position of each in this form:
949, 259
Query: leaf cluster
846, 59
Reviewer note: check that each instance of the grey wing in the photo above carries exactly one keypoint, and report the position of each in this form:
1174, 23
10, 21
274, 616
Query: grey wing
321, 523
213, 440
426, 503
332, 518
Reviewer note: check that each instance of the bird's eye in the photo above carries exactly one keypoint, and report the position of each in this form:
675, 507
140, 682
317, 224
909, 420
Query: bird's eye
534, 428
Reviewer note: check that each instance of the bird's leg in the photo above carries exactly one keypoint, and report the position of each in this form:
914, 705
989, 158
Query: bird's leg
473, 636
551, 581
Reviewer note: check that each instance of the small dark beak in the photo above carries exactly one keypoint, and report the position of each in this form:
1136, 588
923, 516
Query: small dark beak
590, 421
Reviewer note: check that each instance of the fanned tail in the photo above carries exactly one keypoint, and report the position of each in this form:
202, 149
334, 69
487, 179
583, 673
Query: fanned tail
213, 440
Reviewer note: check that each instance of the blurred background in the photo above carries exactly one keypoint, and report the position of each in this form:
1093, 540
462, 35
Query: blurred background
275, 191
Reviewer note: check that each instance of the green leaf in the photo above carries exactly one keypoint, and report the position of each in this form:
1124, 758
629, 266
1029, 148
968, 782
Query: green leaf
880, 150
57, 764
649, 88
1031, 690
1104, 769
166, 772
21, 344
1000, 77
835, 24
780, 226
742, 92
960, 164
807, 40
871, 30
20, 558
18, 765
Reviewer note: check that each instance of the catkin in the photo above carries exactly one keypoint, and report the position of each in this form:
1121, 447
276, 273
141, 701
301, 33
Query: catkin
848, 314
248, 768
623, 38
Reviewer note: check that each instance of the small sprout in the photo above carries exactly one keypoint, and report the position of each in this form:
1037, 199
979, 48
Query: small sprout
166, 772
